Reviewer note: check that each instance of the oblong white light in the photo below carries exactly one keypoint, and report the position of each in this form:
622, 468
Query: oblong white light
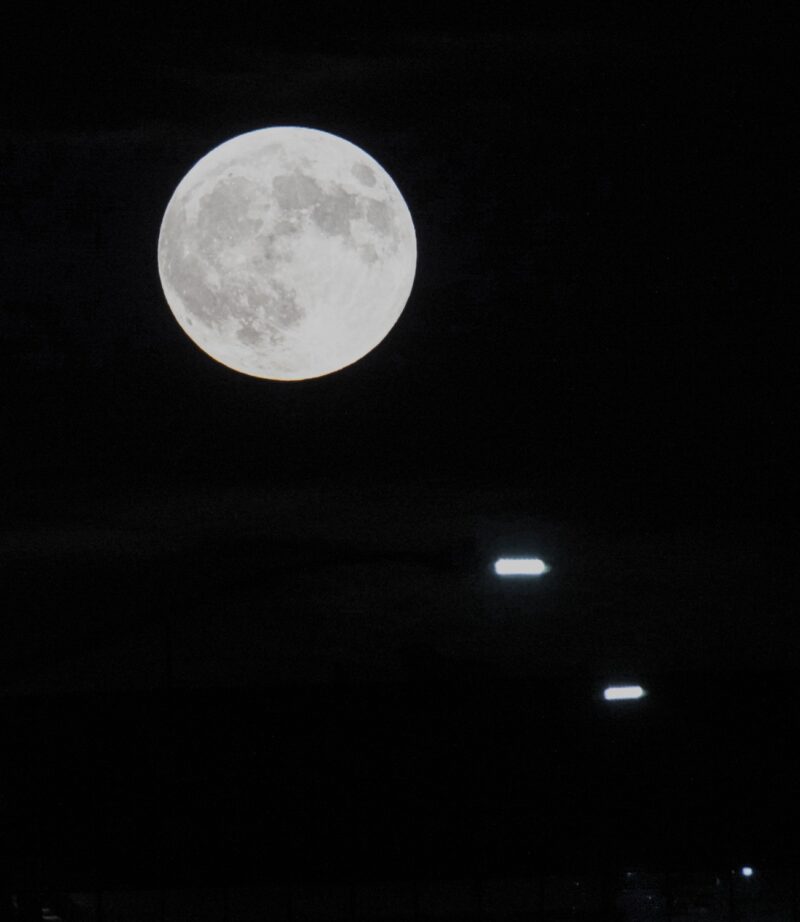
520, 566
623, 692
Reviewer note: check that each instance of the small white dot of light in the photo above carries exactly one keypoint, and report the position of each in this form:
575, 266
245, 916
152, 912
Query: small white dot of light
747, 872
623, 692
520, 566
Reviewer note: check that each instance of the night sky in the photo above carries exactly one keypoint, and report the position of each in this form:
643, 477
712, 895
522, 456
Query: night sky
593, 366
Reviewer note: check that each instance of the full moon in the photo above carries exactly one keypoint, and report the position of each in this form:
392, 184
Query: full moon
287, 253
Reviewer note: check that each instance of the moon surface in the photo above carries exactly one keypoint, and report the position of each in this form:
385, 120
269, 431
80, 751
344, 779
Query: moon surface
287, 253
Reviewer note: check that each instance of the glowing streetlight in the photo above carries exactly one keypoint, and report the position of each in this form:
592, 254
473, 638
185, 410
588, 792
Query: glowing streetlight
520, 566
623, 692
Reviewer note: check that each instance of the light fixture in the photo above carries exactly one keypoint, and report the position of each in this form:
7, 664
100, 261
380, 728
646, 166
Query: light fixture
520, 566
623, 692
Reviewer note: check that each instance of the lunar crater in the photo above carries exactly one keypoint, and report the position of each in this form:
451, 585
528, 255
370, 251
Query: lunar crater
363, 174
296, 191
335, 211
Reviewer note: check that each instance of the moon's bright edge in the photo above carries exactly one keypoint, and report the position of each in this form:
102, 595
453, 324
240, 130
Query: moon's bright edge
287, 253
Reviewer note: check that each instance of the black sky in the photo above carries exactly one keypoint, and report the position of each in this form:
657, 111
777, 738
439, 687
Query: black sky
594, 365
596, 339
